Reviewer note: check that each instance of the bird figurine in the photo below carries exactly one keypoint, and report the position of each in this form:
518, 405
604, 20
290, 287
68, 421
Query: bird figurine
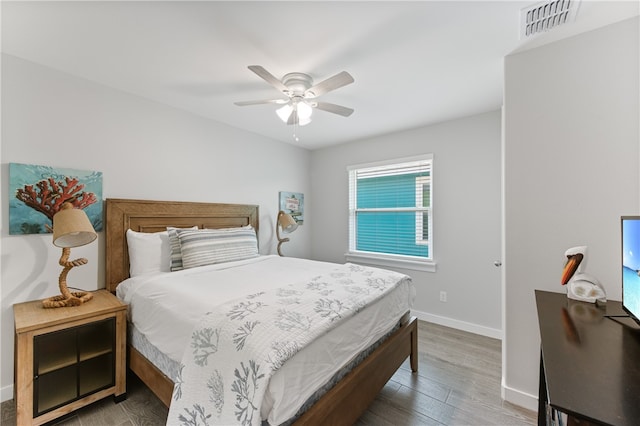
581, 286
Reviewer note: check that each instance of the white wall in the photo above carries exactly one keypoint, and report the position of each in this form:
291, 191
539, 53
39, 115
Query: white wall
145, 151
571, 170
466, 215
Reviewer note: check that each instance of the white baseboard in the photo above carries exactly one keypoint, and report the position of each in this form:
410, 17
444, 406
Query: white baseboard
460, 325
6, 393
517, 397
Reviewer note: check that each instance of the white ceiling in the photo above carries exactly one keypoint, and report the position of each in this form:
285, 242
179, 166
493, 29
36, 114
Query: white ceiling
414, 63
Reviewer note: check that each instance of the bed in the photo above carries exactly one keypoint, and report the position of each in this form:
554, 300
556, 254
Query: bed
344, 402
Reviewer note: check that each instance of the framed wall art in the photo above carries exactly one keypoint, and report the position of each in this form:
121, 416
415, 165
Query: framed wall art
293, 203
37, 192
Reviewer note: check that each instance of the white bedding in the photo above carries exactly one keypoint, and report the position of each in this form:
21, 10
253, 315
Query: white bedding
166, 306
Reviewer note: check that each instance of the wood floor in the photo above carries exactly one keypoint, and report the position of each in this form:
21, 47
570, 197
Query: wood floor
458, 383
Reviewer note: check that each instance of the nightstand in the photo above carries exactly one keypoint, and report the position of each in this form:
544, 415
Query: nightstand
66, 358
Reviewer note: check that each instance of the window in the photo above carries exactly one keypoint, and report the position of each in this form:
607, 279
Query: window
390, 206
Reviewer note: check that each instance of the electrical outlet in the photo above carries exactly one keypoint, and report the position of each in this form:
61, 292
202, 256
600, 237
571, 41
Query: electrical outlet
443, 296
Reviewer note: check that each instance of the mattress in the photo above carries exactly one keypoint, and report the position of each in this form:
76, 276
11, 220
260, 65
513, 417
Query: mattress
164, 307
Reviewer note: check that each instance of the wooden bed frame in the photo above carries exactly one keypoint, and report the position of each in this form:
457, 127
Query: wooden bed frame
342, 404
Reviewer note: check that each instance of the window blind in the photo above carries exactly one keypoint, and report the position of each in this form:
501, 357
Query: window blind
390, 208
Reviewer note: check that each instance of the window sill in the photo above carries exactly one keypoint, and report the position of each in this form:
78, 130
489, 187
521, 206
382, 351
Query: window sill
391, 261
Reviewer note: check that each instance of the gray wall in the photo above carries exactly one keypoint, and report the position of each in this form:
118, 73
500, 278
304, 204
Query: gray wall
145, 150
571, 170
466, 214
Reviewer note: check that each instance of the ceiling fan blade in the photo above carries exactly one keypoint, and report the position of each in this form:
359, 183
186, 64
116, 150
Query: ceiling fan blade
264, 101
332, 83
336, 109
269, 78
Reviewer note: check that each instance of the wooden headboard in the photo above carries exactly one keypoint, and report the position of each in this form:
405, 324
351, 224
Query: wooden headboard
155, 216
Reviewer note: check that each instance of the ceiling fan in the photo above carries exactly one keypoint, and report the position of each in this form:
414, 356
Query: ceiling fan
301, 95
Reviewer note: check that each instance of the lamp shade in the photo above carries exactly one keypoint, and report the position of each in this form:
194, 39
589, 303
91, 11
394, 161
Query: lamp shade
304, 111
72, 228
284, 112
287, 223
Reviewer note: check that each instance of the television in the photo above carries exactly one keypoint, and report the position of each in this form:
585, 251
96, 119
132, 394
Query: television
631, 266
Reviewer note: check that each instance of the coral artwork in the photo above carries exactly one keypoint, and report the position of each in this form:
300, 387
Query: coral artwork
50, 195
41, 190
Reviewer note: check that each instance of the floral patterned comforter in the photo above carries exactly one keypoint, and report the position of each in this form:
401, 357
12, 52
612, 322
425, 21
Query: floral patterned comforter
236, 348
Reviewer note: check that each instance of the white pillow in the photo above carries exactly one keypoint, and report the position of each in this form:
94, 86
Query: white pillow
148, 252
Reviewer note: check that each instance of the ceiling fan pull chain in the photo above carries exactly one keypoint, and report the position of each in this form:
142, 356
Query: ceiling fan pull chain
295, 131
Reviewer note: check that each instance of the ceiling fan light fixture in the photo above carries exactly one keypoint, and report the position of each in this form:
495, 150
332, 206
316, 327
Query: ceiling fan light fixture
284, 112
304, 111
297, 112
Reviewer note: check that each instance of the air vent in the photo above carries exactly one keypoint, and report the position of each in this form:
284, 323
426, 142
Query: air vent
546, 16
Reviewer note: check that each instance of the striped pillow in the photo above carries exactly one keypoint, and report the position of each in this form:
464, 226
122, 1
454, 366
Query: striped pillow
208, 246
175, 263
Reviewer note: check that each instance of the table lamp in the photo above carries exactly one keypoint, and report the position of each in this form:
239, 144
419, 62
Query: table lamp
288, 225
71, 228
